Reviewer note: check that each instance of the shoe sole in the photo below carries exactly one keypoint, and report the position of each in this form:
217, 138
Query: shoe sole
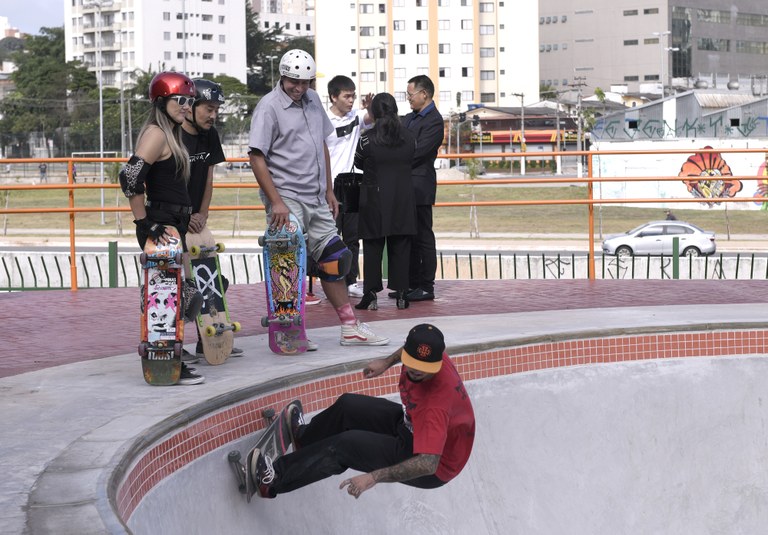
190, 382
382, 342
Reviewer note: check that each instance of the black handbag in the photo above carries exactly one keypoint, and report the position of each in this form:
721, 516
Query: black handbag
346, 188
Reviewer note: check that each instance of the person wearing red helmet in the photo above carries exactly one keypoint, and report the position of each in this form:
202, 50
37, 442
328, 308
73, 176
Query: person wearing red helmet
155, 178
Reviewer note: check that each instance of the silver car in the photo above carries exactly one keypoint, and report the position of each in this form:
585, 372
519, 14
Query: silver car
655, 238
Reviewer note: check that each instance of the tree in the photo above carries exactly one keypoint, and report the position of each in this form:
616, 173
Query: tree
259, 46
45, 88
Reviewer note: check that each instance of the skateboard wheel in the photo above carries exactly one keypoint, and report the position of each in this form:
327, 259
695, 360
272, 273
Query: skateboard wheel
261, 241
178, 258
143, 349
178, 348
265, 321
297, 320
236, 326
194, 250
220, 247
268, 413
143, 259
234, 456
210, 330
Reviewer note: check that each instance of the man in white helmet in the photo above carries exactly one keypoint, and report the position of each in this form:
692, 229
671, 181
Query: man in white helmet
291, 163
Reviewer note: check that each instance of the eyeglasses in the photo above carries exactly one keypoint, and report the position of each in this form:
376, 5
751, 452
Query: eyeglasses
182, 100
411, 95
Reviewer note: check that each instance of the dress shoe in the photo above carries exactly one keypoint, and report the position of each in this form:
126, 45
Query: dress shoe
420, 295
393, 295
369, 301
402, 301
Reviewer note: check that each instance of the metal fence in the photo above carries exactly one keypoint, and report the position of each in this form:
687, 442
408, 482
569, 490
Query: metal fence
44, 271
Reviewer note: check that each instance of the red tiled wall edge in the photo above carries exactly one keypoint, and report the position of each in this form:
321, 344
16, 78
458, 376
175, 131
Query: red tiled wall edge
233, 423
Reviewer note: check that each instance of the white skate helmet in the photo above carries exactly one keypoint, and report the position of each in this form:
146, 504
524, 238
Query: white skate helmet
298, 65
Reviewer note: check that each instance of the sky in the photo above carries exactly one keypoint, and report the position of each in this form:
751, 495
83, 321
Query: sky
30, 15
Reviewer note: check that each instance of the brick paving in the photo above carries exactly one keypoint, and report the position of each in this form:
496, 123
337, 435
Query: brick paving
42, 329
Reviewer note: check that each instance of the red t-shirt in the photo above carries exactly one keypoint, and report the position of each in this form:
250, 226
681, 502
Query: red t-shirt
441, 417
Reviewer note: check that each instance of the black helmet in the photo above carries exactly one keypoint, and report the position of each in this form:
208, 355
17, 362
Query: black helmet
207, 91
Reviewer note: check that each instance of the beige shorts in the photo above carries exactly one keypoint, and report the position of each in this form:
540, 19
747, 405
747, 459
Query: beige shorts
317, 223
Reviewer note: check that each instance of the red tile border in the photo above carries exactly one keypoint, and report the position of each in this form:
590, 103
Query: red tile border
243, 419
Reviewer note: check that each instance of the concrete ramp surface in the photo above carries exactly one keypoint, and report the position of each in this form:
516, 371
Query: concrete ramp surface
670, 446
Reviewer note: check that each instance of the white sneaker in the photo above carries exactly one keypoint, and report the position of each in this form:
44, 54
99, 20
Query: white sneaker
311, 346
360, 334
353, 290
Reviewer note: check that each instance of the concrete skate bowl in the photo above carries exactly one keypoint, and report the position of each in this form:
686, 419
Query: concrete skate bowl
642, 432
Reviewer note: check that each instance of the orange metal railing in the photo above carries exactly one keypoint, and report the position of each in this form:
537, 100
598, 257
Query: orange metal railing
589, 180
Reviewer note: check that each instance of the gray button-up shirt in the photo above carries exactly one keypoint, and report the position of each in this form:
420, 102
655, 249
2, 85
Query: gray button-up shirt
290, 136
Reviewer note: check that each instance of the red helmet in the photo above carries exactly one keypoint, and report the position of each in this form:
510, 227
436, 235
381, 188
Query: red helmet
165, 84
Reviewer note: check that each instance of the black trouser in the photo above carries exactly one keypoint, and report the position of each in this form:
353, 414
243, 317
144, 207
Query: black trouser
423, 251
347, 225
398, 257
359, 432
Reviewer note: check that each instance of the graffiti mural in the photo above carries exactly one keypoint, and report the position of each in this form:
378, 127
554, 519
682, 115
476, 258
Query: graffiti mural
708, 172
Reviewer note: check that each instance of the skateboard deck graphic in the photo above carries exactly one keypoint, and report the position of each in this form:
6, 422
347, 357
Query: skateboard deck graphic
274, 442
213, 321
162, 325
285, 255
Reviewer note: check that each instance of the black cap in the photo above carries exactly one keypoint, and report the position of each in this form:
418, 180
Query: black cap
423, 349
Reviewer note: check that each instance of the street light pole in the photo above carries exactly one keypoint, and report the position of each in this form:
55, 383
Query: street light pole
661, 35
271, 70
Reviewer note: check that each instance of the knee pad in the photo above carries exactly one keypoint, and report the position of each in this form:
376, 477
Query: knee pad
334, 262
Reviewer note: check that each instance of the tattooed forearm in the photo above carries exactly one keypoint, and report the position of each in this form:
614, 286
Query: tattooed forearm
417, 466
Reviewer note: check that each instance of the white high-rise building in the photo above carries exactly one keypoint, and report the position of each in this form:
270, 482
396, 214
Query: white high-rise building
295, 18
484, 51
202, 38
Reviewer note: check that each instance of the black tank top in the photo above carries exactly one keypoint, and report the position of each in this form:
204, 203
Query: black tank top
163, 185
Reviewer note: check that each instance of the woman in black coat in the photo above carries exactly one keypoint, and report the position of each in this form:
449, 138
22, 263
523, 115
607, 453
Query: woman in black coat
387, 206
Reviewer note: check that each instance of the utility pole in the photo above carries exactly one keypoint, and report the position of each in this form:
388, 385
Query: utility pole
579, 82
521, 96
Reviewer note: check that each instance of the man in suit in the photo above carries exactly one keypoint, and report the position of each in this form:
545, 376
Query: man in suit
427, 125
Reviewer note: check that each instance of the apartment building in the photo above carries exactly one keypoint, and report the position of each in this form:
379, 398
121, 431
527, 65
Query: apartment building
295, 18
484, 52
202, 38
646, 45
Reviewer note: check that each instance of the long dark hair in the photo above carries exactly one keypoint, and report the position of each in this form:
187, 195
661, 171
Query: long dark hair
387, 130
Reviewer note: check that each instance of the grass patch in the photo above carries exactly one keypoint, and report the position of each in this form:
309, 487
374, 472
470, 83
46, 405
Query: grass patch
541, 219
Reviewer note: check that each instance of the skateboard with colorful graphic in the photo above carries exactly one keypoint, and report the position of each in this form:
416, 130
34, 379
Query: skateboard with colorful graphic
162, 323
285, 256
273, 443
213, 322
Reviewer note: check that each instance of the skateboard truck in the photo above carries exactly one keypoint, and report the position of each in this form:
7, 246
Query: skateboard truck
234, 456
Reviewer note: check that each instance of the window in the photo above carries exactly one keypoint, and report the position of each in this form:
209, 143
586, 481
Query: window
367, 77
166, 36
207, 55
366, 30
421, 24
167, 56
166, 15
422, 49
445, 96
631, 78
487, 97
308, 27
222, 58
651, 41
466, 72
564, 18
207, 18
486, 29
651, 11
554, 47
486, 7
367, 53
630, 12
443, 3
398, 3
222, 18
222, 38
487, 52
466, 2
399, 25
487, 75
443, 24
651, 77
207, 37
400, 73
444, 48
466, 24
366, 8
382, 8
630, 42
399, 49
467, 48
400, 96
467, 96
382, 31
444, 72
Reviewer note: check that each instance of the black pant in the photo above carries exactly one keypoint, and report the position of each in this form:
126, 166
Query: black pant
347, 225
398, 257
359, 432
423, 251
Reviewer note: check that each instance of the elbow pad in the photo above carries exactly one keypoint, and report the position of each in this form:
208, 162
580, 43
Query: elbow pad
133, 176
